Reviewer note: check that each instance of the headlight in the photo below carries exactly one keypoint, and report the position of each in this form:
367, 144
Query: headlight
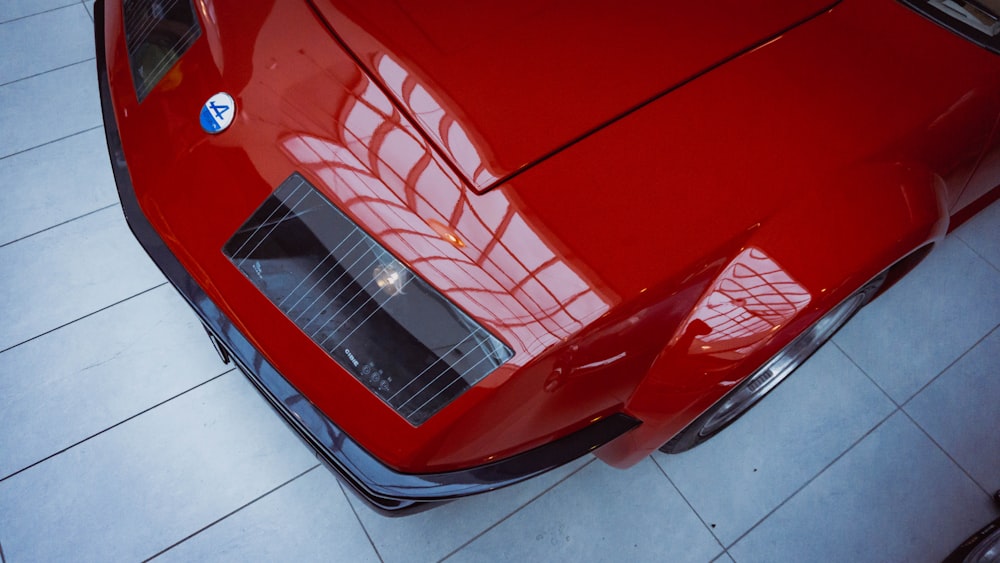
157, 33
387, 327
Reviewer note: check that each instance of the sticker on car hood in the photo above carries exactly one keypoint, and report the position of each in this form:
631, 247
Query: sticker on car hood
218, 112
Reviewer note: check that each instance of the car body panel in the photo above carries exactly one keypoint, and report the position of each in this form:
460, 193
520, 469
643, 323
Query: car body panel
607, 266
282, 129
524, 78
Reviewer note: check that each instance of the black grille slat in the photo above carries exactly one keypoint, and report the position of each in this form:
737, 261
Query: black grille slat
412, 348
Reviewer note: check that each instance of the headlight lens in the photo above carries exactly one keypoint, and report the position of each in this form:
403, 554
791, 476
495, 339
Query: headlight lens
157, 33
387, 327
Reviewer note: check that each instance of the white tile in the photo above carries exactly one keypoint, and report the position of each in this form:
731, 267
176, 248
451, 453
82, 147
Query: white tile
85, 377
308, 519
916, 329
45, 41
600, 514
90, 8
54, 183
893, 497
13, 9
960, 410
47, 107
158, 478
62, 274
746, 471
982, 233
433, 534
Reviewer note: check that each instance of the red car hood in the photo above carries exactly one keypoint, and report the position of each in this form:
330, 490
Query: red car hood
591, 263
528, 77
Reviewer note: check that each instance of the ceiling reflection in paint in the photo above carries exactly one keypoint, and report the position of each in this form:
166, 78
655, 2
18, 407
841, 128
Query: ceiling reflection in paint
750, 300
480, 250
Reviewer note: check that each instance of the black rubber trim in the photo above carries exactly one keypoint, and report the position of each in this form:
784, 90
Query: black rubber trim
966, 31
385, 488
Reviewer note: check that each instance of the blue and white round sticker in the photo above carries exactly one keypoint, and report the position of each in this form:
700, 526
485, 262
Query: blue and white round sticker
217, 113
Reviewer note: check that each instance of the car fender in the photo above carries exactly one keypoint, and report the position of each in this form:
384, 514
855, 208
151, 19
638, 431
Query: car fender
824, 245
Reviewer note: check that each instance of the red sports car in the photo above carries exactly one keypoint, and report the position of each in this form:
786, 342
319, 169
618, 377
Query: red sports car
457, 244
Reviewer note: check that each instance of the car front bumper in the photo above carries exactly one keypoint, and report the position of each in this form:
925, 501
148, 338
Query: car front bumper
387, 489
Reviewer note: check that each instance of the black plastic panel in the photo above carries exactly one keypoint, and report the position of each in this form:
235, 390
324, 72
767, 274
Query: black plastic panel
390, 329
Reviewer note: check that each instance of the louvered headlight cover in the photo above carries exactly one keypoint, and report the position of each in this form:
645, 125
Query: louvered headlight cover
157, 33
387, 327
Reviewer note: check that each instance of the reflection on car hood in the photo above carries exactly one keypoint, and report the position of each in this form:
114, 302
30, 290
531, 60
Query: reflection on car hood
557, 69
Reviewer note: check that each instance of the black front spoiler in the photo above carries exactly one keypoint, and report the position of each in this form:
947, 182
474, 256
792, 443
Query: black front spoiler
385, 488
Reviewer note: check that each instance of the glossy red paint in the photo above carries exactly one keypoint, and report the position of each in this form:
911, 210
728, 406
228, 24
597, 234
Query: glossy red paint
619, 269
525, 78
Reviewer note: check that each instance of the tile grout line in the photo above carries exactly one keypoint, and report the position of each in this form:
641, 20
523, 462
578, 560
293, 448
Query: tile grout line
862, 370
84, 2
87, 130
200, 530
995, 267
2, 558
691, 506
519, 509
115, 425
925, 385
901, 407
948, 455
49, 228
943, 370
358, 518
926, 433
39, 13
44, 72
950, 365
811, 479
90, 314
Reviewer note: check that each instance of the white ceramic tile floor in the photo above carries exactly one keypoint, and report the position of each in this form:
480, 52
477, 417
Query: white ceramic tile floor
752, 474
892, 497
308, 519
16, 9
41, 194
601, 514
27, 123
465, 519
123, 437
98, 371
44, 42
